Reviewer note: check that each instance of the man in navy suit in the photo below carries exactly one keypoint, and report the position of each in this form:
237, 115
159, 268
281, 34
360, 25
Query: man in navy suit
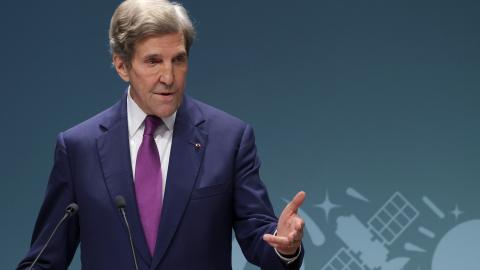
189, 173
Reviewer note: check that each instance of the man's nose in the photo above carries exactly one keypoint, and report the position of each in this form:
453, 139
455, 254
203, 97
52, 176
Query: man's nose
166, 75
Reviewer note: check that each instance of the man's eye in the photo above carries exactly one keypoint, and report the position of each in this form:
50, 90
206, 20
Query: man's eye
152, 61
180, 59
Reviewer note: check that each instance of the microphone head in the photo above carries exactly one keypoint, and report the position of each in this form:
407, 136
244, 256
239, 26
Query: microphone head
120, 202
71, 209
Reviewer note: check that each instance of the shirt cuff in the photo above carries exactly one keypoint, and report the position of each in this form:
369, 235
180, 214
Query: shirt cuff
288, 260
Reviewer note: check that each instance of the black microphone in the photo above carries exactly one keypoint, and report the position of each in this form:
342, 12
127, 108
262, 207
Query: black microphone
69, 212
121, 204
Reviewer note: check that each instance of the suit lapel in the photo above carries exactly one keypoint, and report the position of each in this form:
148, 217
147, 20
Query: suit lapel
188, 144
114, 152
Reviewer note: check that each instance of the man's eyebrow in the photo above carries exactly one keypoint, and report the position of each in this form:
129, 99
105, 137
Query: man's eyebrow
152, 55
181, 54
156, 55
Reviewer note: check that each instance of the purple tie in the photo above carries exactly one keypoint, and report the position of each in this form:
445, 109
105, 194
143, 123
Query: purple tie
148, 182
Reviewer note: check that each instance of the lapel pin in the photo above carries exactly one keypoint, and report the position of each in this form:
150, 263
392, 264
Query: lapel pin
198, 146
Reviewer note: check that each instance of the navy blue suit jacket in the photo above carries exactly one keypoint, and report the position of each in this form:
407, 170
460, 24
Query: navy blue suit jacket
209, 191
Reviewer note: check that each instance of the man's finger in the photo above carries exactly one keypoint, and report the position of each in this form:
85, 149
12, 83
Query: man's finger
295, 236
299, 224
296, 201
276, 241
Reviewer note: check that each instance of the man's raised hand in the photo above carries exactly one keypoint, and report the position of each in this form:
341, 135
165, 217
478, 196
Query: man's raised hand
289, 234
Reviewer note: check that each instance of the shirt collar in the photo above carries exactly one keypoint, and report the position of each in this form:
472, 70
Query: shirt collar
136, 117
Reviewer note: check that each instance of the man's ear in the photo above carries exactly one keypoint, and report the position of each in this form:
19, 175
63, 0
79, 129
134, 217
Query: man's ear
121, 67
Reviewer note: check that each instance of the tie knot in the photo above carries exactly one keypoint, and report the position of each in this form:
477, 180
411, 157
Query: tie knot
151, 124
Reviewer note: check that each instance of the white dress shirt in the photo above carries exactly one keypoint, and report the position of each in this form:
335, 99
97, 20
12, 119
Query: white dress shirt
162, 136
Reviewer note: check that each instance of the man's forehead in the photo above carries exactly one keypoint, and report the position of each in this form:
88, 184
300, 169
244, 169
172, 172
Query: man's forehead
173, 43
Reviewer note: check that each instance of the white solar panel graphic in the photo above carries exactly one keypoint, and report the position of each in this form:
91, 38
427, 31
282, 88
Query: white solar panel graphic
393, 218
344, 260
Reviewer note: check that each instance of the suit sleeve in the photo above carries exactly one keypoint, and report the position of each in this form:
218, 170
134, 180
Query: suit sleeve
59, 195
253, 212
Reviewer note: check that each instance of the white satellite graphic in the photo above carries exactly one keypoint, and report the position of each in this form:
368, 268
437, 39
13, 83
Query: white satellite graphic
366, 246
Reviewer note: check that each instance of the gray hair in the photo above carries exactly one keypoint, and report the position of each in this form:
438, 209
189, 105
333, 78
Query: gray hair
134, 20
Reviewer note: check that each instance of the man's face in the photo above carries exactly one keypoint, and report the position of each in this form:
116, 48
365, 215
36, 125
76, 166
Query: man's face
157, 73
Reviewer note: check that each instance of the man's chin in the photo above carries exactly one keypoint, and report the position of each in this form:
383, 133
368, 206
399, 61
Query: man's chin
166, 111
164, 108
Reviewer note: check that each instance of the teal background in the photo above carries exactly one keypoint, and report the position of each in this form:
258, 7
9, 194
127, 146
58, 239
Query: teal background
381, 96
